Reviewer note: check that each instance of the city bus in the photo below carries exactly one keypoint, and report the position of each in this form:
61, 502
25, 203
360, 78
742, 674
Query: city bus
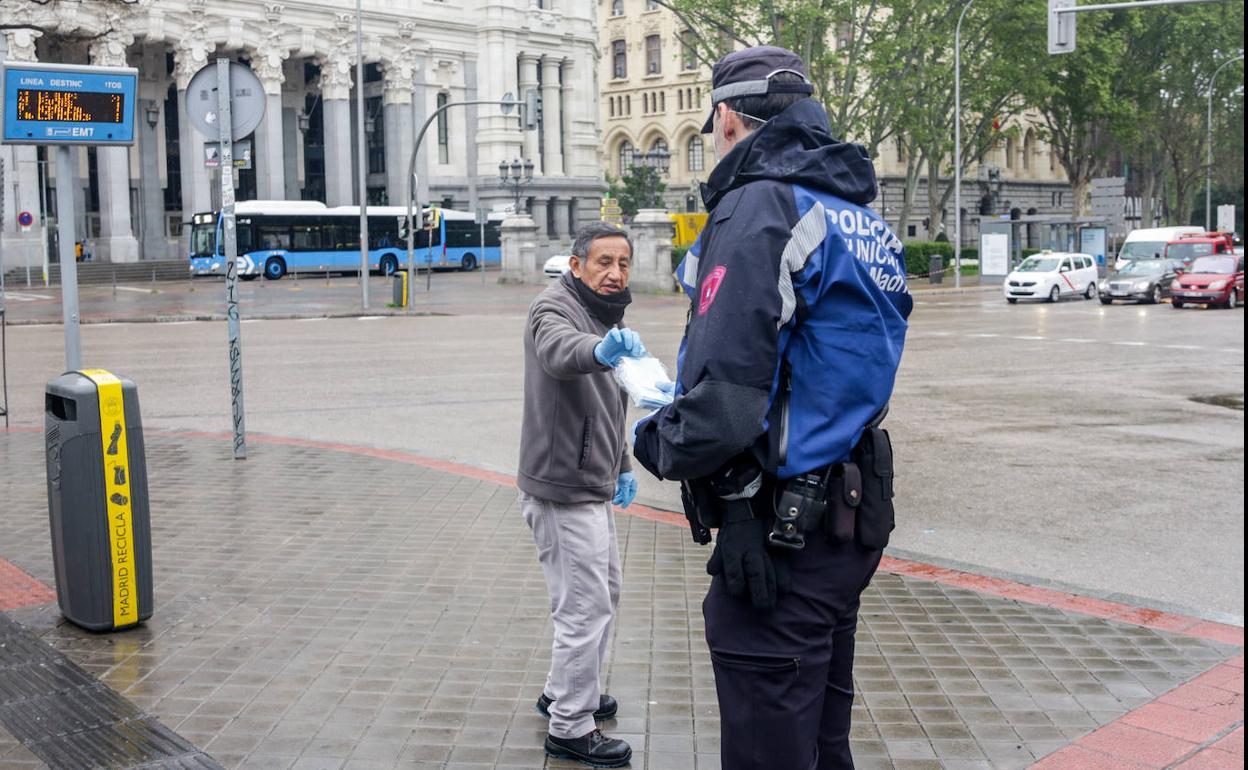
280, 237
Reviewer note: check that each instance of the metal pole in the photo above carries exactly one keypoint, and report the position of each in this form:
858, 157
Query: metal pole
42, 167
362, 150
412, 179
957, 151
66, 238
229, 237
1209, 142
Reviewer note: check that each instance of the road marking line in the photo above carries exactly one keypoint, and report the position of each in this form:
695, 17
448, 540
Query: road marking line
1129, 343
1182, 347
1025, 337
371, 317
1231, 350
20, 297
984, 334
251, 320
1079, 340
131, 288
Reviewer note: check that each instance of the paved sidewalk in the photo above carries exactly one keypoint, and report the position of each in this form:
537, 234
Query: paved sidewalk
320, 606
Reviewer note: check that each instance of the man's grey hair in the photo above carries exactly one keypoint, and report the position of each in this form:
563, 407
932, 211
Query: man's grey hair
592, 232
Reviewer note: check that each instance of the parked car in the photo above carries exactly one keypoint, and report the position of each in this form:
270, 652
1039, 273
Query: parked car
1142, 280
557, 265
1214, 281
1051, 276
1150, 242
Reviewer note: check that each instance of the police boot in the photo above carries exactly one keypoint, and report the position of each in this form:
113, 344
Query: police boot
607, 707
593, 749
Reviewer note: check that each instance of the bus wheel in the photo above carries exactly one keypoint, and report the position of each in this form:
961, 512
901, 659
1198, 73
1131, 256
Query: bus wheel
389, 265
468, 263
274, 268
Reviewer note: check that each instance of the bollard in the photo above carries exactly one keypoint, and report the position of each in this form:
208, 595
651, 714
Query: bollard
97, 500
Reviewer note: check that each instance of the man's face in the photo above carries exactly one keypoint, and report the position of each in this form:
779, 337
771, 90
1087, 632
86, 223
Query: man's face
605, 268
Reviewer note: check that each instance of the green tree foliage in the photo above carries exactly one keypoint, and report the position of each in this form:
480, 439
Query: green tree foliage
1132, 92
641, 187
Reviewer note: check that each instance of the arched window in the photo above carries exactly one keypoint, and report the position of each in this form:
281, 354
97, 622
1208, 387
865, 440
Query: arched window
1010, 151
617, 7
695, 152
1029, 147
659, 144
626, 156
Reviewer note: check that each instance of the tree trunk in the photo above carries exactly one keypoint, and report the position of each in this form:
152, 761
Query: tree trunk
910, 188
1148, 193
933, 198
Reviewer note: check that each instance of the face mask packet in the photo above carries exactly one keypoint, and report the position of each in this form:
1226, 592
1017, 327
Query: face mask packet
645, 380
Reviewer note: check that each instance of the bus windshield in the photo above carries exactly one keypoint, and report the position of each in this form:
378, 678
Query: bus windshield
203, 240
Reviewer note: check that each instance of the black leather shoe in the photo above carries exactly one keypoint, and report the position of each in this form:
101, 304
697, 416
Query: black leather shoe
607, 707
593, 749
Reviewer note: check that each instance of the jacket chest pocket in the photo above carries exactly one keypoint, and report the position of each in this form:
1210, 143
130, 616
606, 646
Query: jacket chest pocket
587, 442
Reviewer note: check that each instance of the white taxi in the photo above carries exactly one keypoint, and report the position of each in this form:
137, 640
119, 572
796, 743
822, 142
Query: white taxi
1052, 275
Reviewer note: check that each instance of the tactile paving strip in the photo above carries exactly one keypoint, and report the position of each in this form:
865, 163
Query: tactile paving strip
66, 718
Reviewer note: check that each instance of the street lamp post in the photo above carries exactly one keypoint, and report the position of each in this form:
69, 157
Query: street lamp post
1209, 141
957, 148
361, 155
515, 175
507, 103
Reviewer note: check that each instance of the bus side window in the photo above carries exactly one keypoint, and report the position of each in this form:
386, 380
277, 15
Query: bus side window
273, 234
306, 235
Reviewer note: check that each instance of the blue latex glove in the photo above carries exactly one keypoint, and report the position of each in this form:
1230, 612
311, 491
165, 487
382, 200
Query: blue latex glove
625, 489
666, 388
617, 344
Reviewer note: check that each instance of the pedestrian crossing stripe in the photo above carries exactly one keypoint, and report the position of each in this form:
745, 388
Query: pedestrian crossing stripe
117, 496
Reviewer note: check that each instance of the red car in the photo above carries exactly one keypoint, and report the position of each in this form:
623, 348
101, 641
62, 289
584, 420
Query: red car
1216, 281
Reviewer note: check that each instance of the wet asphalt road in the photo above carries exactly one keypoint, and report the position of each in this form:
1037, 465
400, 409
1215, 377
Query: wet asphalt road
1088, 447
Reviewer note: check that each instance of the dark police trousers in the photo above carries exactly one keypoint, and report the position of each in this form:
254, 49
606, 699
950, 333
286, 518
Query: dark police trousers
785, 676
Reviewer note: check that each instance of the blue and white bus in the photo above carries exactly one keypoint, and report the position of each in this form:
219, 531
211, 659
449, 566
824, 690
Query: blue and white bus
280, 237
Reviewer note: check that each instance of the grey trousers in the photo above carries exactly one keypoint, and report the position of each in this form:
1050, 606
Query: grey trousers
581, 560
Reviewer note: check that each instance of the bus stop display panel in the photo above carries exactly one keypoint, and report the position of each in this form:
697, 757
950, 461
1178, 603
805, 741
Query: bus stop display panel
59, 104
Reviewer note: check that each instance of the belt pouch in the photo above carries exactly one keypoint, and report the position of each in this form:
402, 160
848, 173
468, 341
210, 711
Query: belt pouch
843, 495
876, 520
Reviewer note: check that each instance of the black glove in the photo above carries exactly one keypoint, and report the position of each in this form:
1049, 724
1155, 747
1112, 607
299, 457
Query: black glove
741, 555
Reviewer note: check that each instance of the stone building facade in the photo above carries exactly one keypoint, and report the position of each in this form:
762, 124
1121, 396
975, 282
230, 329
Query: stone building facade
418, 55
656, 94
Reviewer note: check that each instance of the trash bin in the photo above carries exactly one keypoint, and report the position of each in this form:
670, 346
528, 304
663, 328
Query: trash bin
97, 500
400, 289
936, 269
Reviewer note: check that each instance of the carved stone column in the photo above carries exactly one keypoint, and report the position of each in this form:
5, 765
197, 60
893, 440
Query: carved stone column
552, 117
116, 242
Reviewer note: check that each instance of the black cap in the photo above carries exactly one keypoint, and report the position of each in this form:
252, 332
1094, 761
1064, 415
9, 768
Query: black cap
749, 73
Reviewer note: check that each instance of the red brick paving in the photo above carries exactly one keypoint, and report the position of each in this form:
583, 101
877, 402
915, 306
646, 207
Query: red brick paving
1198, 725
17, 589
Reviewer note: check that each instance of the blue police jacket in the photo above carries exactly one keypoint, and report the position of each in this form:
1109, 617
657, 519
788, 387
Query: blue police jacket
798, 308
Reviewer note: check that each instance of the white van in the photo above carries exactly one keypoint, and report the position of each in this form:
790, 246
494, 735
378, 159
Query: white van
1150, 242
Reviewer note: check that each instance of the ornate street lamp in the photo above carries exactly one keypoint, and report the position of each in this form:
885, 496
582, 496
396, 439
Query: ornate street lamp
515, 175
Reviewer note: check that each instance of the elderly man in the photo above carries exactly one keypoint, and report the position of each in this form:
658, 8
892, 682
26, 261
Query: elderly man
573, 466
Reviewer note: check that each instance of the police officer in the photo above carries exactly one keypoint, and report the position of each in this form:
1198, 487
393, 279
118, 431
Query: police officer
795, 332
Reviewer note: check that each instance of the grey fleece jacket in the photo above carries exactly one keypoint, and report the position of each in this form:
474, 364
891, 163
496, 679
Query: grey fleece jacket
572, 444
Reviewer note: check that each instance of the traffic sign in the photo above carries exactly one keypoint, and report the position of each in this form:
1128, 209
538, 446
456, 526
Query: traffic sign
68, 104
25, 220
241, 156
246, 107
